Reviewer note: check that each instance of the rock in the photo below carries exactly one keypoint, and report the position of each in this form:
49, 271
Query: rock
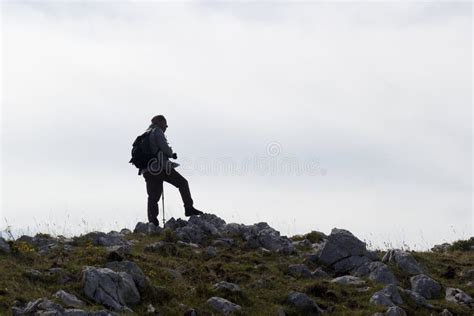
190, 233
363, 289
175, 274
281, 312
303, 303
223, 242
41, 306
444, 247
395, 311
117, 253
350, 263
4, 246
150, 309
468, 274
188, 244
75, 312
226, 286
125, 231
403, 260
459, 297
376, 271
80, 312
319, 273
425, 286
33, 274
445, 312
107, 240
339, 245
147, 228
43, 243
372, 255
132, 269
417, 298
388, 296
261, 283
299, 271
302, 243
68, 299
234, 229
210, 252
173, 223
348, 280
110, 288
222, 305
209, 224
60, 276
191, 312
262, 235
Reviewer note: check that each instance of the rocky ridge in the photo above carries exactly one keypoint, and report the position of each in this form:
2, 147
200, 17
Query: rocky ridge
324, 267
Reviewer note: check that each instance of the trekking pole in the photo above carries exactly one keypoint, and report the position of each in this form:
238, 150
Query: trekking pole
163, 202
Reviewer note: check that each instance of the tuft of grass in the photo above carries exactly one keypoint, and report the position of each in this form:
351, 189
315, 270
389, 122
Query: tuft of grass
313, 237
462, 245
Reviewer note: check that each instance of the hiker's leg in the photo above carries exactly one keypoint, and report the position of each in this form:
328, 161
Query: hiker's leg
172, 176
154, 187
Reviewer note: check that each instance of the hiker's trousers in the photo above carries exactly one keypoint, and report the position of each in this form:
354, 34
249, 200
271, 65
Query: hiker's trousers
154, 188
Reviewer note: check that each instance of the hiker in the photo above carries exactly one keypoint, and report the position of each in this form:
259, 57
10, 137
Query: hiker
160, 169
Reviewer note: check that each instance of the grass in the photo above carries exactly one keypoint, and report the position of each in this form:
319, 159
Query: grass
263, 278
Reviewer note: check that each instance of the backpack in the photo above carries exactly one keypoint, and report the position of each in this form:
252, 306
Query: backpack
141, 151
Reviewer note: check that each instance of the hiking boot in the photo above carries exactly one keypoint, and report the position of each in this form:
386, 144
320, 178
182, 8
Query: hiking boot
190, 211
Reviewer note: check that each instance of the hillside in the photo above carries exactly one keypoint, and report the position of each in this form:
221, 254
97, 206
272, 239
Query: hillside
207, 267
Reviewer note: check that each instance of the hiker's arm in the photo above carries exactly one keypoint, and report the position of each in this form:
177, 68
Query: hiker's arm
163, 143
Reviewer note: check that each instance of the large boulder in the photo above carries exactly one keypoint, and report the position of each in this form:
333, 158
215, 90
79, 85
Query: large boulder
425, 286
377, 272
341, 244
222, 305
388, 296
109, 288
304, 304
403, 260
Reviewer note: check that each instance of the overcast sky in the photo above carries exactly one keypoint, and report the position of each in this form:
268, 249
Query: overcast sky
307, 116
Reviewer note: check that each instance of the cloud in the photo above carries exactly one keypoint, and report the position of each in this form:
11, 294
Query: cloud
378, 94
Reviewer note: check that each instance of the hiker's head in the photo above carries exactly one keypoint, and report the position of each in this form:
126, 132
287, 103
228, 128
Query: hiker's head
160, 120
